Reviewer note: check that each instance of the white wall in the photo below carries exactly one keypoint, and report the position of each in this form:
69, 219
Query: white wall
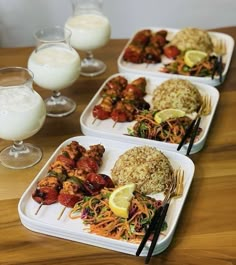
20, 18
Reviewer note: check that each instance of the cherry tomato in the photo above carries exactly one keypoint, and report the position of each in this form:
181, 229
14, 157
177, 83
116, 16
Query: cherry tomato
87, 164
95, 182
100, 113
69, 200
45, 195
66, 161
96, 179
171, 51
119, 116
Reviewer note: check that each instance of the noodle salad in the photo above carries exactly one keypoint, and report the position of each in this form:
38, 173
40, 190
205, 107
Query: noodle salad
170, 131
202, 69
95, 212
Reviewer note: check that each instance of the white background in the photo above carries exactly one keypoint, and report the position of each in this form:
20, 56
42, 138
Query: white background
20, 18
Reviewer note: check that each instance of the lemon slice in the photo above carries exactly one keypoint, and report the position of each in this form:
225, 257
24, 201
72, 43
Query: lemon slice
166, 114
119, 200
193, 57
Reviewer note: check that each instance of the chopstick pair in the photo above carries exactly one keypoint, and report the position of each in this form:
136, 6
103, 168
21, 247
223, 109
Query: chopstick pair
191, 130
156, 226
218, 67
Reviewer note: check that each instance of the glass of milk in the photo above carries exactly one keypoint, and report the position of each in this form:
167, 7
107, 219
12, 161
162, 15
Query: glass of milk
90, 30
22, 114
55, 65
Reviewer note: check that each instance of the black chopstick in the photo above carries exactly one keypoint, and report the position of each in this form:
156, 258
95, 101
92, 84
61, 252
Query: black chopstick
150, 229
193, 136
218, 67
187, 134
215, 67
156, 226
157, 232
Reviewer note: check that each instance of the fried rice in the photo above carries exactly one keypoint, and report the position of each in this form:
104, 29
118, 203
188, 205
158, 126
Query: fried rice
193, 39
177, 93
145, 166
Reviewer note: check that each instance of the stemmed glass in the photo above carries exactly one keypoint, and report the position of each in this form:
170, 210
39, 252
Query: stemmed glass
90, 30
56, 65
22, 114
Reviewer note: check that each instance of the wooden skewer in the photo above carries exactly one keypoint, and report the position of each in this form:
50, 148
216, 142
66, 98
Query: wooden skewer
41, 204
94, 120
61, 213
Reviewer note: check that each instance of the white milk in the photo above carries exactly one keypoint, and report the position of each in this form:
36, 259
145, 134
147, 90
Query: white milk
89, 31
22, 113
54, 66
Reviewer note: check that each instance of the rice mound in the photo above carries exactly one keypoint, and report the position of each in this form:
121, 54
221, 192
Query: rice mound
145, 166
177, 94
193, 39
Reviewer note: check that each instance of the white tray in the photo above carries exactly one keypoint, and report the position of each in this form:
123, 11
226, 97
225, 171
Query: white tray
153, 69
105, 129
46, 222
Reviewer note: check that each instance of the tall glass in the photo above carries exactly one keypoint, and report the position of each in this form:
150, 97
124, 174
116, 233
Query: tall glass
22, 114
90, 30
56, 65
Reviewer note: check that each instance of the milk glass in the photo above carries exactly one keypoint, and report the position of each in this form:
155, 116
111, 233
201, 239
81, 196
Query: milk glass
56, 65
22, 114
90, 30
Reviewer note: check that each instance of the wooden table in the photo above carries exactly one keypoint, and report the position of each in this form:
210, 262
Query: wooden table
206, 231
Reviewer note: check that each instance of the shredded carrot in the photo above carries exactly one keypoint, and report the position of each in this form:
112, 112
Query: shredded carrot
201, 69
102, 221
171, 131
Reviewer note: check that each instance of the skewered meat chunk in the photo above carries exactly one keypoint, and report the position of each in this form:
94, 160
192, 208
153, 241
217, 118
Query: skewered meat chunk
96, 152
123, 112
74, 150
141, 83
70, 193
132, 92
111, 93
127, 100
142, 37
87, 164
133, 54
100, 113
158, 39
50, 182
47, 190
154, 49
69, 154
116, 85
70, 186
151, 54
146, 47
107, 103
67, 175
45, 195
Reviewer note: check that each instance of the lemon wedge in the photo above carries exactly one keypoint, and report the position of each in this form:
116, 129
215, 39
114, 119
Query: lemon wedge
119, 200
166, 114
193, 57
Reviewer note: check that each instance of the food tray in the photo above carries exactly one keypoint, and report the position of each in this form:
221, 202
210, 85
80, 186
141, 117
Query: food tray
46, 221
105, 128
153, 69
